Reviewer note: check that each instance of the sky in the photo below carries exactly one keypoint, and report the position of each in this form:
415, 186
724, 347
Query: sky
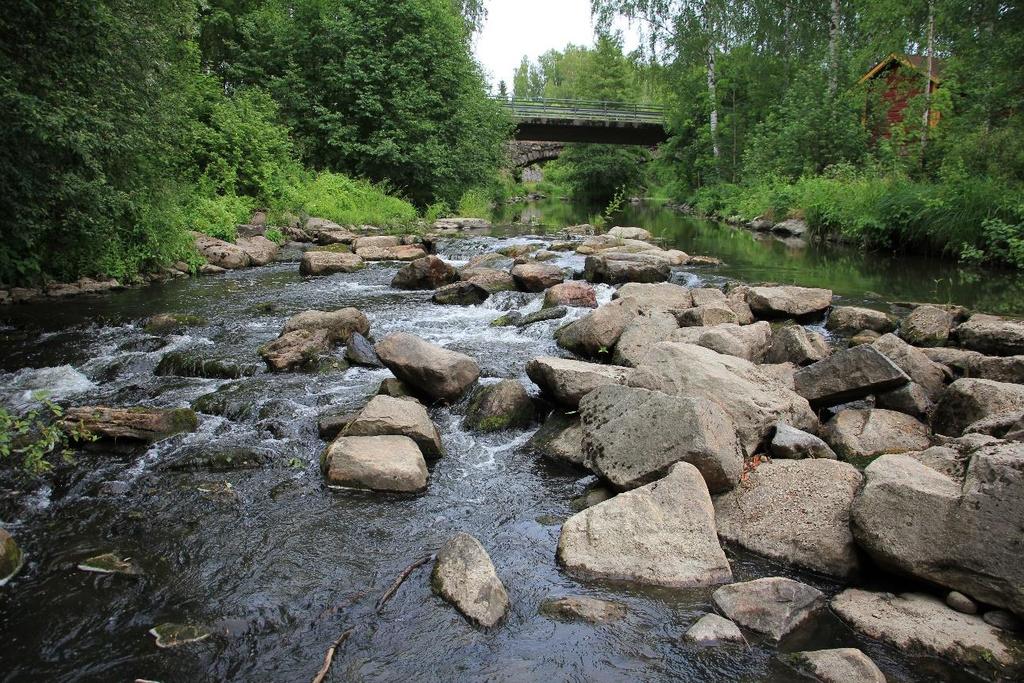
532, 27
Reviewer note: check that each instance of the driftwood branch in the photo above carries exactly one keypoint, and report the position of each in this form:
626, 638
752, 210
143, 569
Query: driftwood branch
393, 588
329, 657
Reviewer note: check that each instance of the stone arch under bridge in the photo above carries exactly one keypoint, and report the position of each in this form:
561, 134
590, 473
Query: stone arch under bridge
522, 153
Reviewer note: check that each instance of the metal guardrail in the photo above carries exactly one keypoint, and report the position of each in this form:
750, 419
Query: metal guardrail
583, 110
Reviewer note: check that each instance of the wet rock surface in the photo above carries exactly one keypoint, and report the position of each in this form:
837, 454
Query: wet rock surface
465, 576
436, 372
774, 606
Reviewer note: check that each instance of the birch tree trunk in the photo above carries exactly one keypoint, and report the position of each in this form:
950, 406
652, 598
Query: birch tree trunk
709, 32
926, 121
833, 50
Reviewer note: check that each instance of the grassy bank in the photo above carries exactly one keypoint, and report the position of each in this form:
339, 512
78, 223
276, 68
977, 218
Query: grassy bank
976, 220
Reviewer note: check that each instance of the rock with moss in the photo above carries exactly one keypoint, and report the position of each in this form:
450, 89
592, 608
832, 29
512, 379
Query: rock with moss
505, 405
560, 439
219, 459
140, 424
541, 316
460, 294
339, 324
189, 364
233, 400
173, 323
11, 557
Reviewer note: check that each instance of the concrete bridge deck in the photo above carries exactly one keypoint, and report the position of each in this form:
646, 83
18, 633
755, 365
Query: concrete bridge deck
616, 123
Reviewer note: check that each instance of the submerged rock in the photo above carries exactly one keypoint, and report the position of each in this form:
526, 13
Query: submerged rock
560, 438
576, 608
11, 557
633, 436
959, 532
712, 628
859, 436
429, 272
841, 665
110, 563
460, 294
504, 405
176, 635
660, 534
140, 424
848, 375
433, 371
567, 381
385, 415
378, 463
774, 606
172, 323
464, 576
796, 511
914, 622
190, 364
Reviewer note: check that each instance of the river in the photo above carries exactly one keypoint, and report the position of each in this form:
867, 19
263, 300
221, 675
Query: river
279, 565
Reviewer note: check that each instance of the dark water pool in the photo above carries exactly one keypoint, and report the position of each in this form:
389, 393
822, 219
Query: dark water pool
280, 565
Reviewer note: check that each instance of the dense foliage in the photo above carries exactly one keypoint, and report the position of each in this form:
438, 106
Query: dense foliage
768, 116
124, 124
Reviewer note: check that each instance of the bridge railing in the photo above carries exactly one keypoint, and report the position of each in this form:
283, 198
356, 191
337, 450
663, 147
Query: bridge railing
584, 110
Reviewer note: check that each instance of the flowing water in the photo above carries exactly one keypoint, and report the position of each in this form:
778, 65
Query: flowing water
277, 564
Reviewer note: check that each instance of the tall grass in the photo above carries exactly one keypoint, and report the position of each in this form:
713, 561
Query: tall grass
346, 201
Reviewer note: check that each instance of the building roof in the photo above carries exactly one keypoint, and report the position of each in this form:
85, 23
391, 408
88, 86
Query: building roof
918, 63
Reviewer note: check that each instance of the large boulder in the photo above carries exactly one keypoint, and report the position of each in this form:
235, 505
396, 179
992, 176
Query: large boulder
992, 335
378, 463
536, 277
707, 315
560, 439
328, 262
911, 360
627, 233
567, 381
796, 511
911, 399
963, 363
595, 334
433, 371
645, 330
915, 623
339, 325
402, 252
142, 425
749, 342
464, 576
491, 279
656, 296
633, 436
388, 416
429, 272
376, 241
11, 557
959, 532
790, 442
261, 251
296, 349
840, 665
849, 320
796, 344
788, 301
220, 253
572, 293
774, 606
861, 435
504, 405
848, 375
927, 326
755, 401
614, 269
661, 534
460, 294
967, 400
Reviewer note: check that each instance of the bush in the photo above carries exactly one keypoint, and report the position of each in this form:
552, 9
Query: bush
474, 203
346, 201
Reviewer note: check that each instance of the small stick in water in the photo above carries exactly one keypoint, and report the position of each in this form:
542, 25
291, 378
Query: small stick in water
329, 657
393, 588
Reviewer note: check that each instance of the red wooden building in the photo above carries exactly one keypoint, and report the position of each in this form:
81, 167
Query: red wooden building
900, 78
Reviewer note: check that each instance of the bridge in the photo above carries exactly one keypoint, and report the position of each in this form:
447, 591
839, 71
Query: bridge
613, 123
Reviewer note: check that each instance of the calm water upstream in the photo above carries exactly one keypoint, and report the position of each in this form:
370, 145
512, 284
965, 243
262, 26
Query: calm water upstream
279, 565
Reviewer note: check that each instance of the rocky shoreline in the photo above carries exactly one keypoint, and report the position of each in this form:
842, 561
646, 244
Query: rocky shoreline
718, 418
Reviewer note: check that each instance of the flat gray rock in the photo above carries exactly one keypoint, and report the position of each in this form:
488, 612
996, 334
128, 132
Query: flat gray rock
792, 443
711, 628
969, 400
796, 511
661, 534
379, 463
860, 435
840, 665
385, 415
464, 576
582, 608
633, 436
567, 381
788, 301
848, 375
774, 606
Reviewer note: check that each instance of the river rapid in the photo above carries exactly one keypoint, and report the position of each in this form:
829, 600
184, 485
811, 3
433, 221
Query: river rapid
279, 565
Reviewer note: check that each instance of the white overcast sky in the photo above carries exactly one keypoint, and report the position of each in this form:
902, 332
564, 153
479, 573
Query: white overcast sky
532, 27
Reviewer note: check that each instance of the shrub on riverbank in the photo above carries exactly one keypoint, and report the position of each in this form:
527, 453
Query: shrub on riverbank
978, 219
345, 200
